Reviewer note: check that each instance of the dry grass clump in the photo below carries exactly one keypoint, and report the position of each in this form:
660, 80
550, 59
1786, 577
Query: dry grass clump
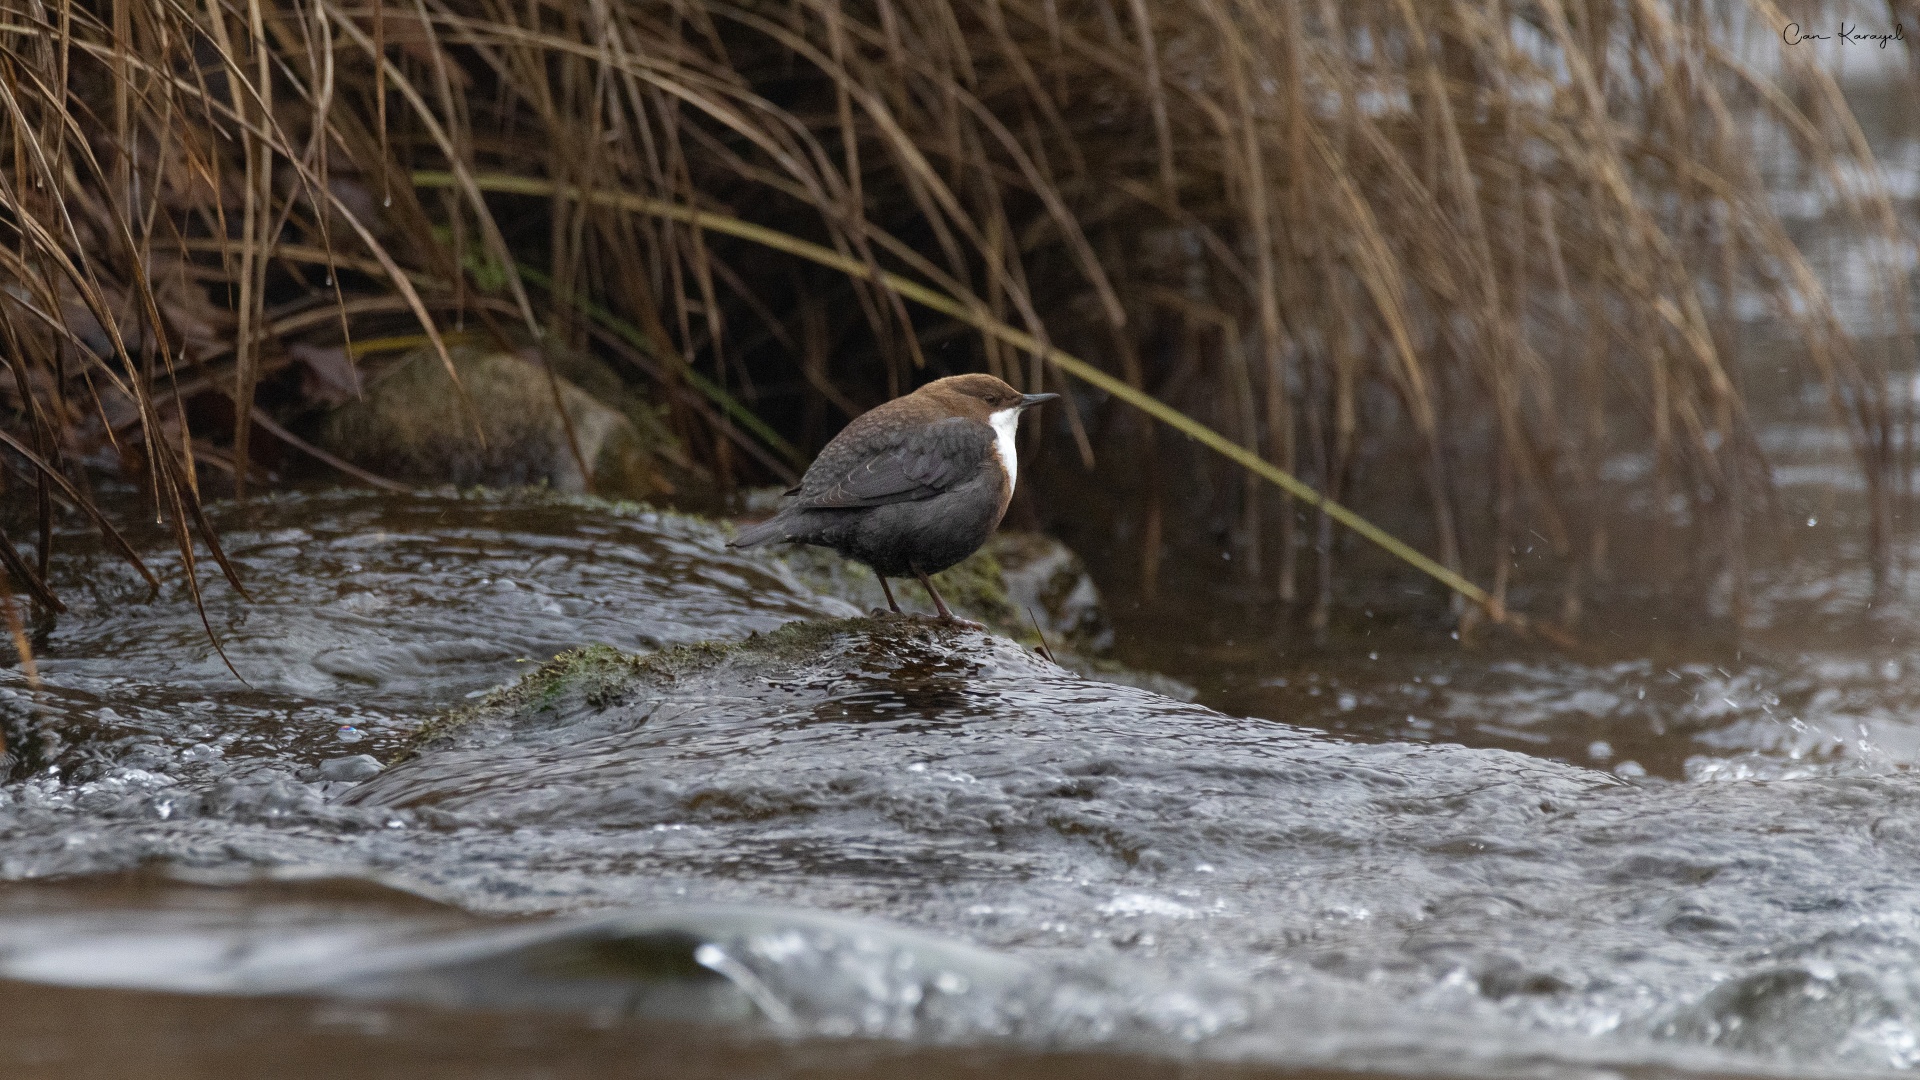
1506, 238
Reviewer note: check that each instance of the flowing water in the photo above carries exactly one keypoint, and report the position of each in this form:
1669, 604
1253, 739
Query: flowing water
892, 849
908, 849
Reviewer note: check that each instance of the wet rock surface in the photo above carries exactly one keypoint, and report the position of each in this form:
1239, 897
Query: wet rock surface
1027, 587
729, 802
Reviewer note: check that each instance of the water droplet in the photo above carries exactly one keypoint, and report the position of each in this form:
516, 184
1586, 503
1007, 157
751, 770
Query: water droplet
348, 733
388, 201
1812, 521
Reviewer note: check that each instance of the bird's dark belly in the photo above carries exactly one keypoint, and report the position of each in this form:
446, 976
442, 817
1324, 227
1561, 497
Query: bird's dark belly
929, 534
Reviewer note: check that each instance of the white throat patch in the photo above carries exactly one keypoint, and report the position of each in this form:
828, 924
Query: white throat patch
1005, 423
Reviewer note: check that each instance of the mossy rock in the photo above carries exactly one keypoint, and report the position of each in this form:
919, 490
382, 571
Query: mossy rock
597, 678
414, 425
1044, 582
604, 384
700, 733
974, 589
1025, 585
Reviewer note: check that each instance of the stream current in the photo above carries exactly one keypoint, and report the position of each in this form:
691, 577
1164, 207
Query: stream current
908, 849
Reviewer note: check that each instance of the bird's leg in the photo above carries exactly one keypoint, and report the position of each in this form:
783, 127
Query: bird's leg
888, 589
941, 605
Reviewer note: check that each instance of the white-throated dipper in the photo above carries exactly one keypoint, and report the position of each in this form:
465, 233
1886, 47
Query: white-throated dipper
910, 487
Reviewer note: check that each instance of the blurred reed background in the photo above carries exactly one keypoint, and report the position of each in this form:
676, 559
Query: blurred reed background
1440, 259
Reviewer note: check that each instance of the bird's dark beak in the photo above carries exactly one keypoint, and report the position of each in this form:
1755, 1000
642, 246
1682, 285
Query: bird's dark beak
1028, 401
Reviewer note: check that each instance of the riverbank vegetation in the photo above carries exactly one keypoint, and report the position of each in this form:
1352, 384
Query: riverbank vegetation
1457, 255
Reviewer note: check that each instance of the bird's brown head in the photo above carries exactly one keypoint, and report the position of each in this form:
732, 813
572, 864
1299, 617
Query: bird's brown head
978, 396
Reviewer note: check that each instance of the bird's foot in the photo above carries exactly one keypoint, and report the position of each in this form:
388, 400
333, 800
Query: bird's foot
951, 619
883, 613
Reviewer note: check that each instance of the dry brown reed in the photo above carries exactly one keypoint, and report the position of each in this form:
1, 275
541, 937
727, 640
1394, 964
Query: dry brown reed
1506, 238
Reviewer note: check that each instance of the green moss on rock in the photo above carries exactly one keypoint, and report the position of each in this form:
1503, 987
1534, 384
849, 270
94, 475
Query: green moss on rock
596, 677
414, 425
974, 589
598, 680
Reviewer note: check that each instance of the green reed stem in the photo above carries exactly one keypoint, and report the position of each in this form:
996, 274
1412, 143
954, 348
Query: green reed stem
633, 336
986, 324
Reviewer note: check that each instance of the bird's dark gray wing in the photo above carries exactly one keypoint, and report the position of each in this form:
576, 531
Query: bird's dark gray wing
916, 463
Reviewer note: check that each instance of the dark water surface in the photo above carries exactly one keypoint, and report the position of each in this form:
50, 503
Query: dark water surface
903, 850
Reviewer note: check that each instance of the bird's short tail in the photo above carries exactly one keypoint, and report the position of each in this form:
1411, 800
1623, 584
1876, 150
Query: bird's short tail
754, 535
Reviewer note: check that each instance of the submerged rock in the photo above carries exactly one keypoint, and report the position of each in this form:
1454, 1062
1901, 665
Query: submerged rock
413, 425
951, 778
937, 729
1213, 886
1811, 1012
608, 690
518, 753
